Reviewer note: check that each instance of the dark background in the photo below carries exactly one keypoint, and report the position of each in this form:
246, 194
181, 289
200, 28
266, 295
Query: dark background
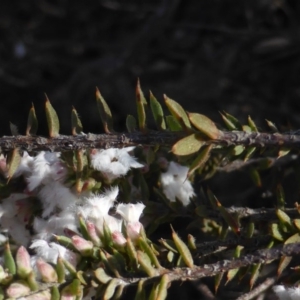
238, 56
209, 55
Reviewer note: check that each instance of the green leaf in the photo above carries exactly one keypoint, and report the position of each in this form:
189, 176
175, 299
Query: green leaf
154, 292
178, 112
231, 122
285, 260
102, 276
252, 124
9, 262
183, 249
255, 270
105, 113
162, 288
145, 264
276, 232
255, 176
13, 162
272, 126
32, 122
200, 160
52, 119
148, 250
173, 124
60, 270
284, 219
218, 279
205, 125
76, 123
13, 129
157, 112
141, 104
188, 145
230, 219
140, 292
131, 123
131, 252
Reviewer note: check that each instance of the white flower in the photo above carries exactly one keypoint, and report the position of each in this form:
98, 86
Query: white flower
97, 206
113, 162
131, 214
25, 166
46, 166
176, 185
55, 225
50, 252
14, 215
55, 195
286, 293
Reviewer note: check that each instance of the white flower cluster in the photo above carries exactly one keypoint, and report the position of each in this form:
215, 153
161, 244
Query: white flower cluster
61, 208
287, 293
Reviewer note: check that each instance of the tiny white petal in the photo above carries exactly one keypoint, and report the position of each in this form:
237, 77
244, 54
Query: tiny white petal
281, 292
176, 185
130, 212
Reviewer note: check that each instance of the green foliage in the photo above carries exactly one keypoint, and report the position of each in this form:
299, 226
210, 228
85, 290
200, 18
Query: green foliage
198, 143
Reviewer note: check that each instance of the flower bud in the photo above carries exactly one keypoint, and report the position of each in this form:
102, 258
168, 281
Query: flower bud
133, 230
23, 262
83, 246
118, 238
91, 228
46, 270
18, 289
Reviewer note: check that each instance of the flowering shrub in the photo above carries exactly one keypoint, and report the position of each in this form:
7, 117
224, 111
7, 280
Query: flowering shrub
76, 221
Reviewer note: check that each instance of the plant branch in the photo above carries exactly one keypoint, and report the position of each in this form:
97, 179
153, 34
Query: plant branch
150, 138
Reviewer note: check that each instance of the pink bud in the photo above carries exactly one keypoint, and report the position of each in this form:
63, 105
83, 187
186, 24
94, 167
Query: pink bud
23, 262
82, 245
47, 271
18, 289
133, 230
118, 238
91, 228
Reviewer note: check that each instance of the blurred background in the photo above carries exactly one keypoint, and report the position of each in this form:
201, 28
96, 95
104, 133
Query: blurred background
238, 56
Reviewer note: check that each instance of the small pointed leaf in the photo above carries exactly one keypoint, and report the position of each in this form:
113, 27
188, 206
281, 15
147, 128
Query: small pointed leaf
218, 279
102, 276
157, 112
9, 262
200, 160
141, 104
131, 123
173, 124
52, 119
145, 263
105, 113
13, 162
76, 123
252, 124
178, 112
255, 269
148, 250
231, 122
13, 129
162, 288
229, 218
140, 292
183, 249
32, 122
